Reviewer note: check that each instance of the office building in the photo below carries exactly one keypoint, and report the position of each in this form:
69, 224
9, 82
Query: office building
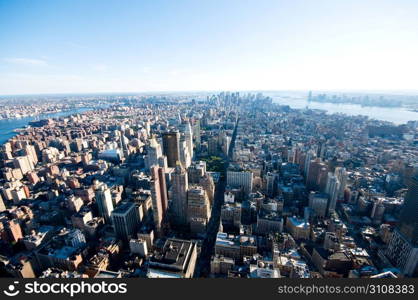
171, 148
332, 189
179, 188
125, 220
403, 247
242, 179
159, 196
198, 205
318, 202
104, 202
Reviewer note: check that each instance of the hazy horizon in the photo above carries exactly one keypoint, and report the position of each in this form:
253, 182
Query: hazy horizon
302, 91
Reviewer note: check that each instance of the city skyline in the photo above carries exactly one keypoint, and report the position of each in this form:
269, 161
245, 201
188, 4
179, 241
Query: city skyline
113, 47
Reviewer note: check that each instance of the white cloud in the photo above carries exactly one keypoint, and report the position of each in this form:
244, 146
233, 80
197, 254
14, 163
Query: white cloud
26, 61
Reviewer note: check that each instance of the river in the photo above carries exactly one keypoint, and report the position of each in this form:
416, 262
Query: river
7, 127
397, 115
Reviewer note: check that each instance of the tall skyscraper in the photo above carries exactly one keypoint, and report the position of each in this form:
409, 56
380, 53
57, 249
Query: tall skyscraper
198, 209
179, 187
342, 176
313, 177
332, 189
104, 202
198, 205
196, 133
185, 157
125, 220
171, 147
188, 136
163, 189
403, 247
154, 155
123, 142
272, 180
207, 183
408, 225
159, 195
310, 155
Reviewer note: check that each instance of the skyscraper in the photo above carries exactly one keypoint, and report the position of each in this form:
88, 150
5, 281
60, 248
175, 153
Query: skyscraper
179, 187
408, 225
171, 147
125, 220
159, 195
342, 176
196, 133
318, 203
185, 157
332, 189
197, 203
198, 209
314, 174
403, 247
104, 202
154, 155
188, 136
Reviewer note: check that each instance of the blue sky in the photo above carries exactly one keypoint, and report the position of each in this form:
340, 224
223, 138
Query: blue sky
137, 46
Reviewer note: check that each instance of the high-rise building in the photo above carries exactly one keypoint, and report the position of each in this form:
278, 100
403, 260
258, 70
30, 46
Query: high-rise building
188, 136
408, 225
104, 202
154, 154
332, 189
196, 171
342, 177
171, 148
313, 177
318, 203
125, 220
158, 195
403, 247
213, 146
185, 157
209, 186
242, 179
272, 180
31, 153
2, 205
198, 205
196, 133
310, 155
24, 164
179, 187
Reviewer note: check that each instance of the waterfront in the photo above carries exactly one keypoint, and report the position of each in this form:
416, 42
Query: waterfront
7, 127
397, 115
